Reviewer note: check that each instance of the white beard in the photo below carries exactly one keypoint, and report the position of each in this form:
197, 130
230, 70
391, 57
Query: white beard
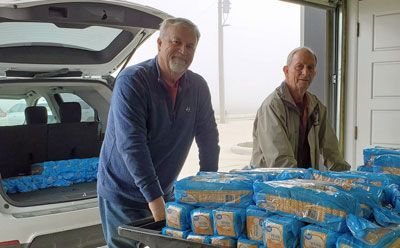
177, 65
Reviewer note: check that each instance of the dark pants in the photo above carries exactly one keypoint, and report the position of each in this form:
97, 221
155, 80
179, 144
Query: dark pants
114, 215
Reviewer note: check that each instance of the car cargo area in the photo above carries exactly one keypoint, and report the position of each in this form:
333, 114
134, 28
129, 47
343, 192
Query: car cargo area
56, 194
50, 159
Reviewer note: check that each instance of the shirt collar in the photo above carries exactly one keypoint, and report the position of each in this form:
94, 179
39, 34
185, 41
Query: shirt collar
284, 93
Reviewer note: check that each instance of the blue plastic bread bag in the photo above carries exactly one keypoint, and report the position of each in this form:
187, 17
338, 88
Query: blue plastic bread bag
307, 200
280, 231
354, 177
371, 153
177, 215
313, 236
198, 238
360, 185
392, 196
175, 233
240, 173
255, 217
388, 163
247, 243
295, 173
365, 168
229, 222
269, 174
372, 235
202, 221
386, 217
215, 190
222, 241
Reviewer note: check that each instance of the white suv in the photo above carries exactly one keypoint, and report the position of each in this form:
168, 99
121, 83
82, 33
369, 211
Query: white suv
48, 50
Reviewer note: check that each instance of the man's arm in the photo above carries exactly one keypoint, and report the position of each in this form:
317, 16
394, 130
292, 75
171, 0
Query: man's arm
130, 113
330, 148
206, 132
272, 138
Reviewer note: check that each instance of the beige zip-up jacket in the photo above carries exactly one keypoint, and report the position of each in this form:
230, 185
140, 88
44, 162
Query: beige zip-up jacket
276, 133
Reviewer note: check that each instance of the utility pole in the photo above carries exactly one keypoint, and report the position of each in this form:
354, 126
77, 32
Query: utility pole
223, 8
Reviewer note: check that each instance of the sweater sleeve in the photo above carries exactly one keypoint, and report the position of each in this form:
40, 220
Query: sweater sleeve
206, 133
130, 110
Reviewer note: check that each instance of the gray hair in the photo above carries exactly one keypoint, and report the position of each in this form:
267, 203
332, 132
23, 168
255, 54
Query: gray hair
179, 21
294, 51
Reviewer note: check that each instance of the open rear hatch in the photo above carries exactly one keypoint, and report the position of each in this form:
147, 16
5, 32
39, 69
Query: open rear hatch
90, 37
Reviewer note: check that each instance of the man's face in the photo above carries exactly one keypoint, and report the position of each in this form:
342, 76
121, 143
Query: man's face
176, 48
301, 71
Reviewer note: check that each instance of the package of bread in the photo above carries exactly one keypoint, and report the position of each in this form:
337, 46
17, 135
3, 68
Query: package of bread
310, 201
225, 242
229, 222
255, 217
177, 215
167, 231
198, 238
315, 236
372, 234
247, 243
280, 231
202, 221
215, 190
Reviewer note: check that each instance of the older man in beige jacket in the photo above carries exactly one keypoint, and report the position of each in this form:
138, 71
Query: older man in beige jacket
291, 127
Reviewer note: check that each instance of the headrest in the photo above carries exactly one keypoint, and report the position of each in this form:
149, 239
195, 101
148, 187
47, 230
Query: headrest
36, 115
70, 112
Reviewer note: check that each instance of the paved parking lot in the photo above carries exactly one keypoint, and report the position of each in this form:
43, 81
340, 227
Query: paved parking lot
233, 132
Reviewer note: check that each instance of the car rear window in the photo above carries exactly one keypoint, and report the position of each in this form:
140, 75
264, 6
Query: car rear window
93, 38
88, 113
12, 112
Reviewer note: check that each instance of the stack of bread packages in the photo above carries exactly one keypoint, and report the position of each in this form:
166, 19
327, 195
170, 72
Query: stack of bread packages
286, 207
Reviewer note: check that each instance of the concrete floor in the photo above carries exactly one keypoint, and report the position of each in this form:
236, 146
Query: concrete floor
232, 156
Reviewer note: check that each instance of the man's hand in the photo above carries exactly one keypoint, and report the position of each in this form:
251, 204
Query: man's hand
157, 208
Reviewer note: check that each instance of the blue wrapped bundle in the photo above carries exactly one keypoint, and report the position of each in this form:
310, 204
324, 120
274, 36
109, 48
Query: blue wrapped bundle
54, 174
280, 231
177, 215
386, 217
229, 222
215, 190
269, 174
295, 173
348, 241
392, 196
223, 241
365, 168
367, 234
316, 236
202, 221
255, 218
73, 170
238, 173
354, 177
175, 233
361, 185
246, 243
387, 163
307, 200
198, 238
371, 153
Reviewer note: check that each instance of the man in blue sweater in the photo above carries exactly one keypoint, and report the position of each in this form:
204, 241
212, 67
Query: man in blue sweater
158, 107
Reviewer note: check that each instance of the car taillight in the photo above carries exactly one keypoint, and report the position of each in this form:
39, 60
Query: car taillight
10, 244
3, 114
